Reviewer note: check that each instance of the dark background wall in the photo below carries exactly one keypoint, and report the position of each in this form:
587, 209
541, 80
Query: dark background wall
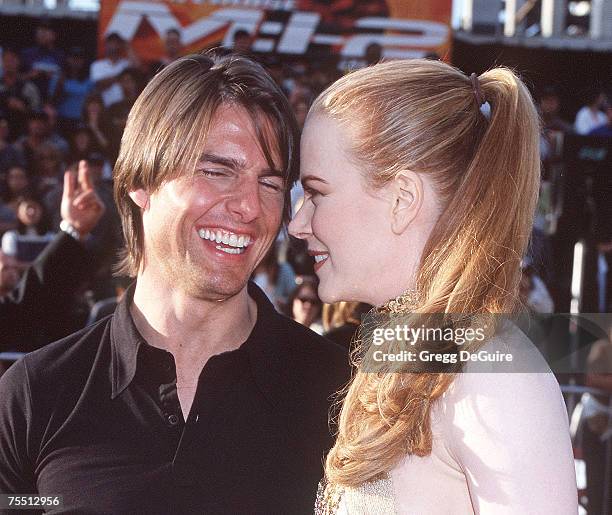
572, 72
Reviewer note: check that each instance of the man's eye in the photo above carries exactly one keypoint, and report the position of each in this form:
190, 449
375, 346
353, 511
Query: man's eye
275, 187
214, 173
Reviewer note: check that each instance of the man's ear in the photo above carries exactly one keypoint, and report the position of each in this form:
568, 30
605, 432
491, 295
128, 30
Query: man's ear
406, 199
140, 197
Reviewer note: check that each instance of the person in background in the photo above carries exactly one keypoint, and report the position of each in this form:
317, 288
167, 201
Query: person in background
242, 42
38, 309
105, 239
18, 97
341, 321
32, 234
605, 129
47, 169
43, 62
93, 118
304, 304
116, 114
69, 89
9, 155
534, 293
16, 185
104, 73
39, 134
172, 46
549, 107
276, 279
590, 115
597, 430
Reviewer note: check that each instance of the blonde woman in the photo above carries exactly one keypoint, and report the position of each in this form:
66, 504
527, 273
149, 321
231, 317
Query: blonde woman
420, 188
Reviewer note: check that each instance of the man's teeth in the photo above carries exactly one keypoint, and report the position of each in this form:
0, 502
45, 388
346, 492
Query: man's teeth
320, 257
233, 240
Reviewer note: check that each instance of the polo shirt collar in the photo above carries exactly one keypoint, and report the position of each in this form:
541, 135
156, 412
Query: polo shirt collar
266, 346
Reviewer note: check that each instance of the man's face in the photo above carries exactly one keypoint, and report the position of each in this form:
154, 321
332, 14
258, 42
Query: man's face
113, 48
37, 128
173, 43
206, 234
45, 37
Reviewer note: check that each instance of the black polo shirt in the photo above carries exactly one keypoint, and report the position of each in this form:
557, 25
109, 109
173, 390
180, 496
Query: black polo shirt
95, 418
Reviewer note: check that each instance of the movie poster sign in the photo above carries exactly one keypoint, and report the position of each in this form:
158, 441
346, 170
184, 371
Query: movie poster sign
403, 28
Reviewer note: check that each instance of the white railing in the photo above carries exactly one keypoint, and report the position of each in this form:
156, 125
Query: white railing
553, 20
54, 8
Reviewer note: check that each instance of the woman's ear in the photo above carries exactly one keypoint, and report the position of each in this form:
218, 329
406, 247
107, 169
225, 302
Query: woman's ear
140, 197
406, 198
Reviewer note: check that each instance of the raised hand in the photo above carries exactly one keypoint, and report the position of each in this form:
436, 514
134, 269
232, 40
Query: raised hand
81, 206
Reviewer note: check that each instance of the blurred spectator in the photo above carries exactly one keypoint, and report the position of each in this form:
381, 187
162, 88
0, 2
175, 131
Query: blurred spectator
300, 100
242, 42
598, 428
9, 155
40, 309
17, 96
534, 293
48, 166
605, 129
93, 118
117, 114
275, 278
82, 144
32, 234
550, 106
10, 270
105, 239
173, 46
42, 62
39, 134
69, 89
341, 321
16, 185
305, 306
591, 116
104, 73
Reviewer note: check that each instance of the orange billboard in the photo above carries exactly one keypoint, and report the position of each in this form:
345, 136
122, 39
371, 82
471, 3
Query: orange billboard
403, 28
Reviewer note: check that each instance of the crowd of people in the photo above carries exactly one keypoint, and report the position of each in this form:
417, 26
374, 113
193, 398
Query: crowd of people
58, 107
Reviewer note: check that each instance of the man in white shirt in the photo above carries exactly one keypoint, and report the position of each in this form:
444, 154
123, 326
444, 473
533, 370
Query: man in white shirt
105, 72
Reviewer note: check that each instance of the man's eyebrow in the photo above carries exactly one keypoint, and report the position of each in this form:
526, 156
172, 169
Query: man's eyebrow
308, 178
230, 162
236, 164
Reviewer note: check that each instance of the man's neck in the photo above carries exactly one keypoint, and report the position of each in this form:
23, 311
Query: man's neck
191, 329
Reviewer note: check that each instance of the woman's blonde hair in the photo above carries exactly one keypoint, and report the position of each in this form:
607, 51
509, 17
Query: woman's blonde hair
423, 116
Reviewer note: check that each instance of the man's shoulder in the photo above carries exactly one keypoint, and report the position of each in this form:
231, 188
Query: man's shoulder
304, 341
68, 361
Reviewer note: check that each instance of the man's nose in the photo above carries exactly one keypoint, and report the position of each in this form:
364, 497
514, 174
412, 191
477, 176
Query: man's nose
245, 202
299, 227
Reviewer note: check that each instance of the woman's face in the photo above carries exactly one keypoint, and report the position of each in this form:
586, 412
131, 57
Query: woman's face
17, 179
29, 212
94, 108
346, 226
306, 306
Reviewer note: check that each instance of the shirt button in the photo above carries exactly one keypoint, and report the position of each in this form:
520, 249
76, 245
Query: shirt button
173, 420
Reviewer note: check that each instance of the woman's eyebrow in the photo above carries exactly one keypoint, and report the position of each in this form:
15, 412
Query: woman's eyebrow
308, 178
